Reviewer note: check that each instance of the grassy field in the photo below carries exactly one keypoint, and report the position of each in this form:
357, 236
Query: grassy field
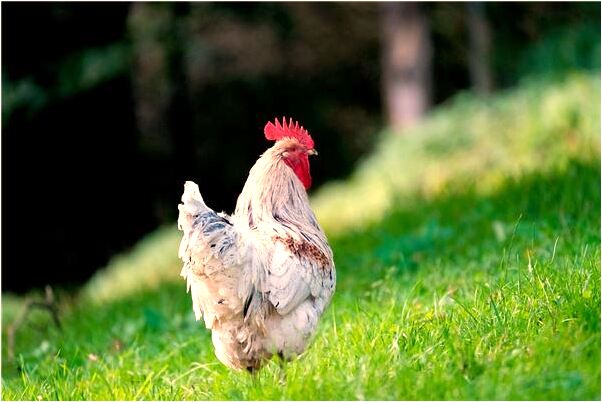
468, 258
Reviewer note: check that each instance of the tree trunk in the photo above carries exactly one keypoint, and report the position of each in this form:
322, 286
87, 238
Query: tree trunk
161, 99
406, 63
479, 48
149, 26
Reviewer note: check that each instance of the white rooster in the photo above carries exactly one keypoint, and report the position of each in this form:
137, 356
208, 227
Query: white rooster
262, 277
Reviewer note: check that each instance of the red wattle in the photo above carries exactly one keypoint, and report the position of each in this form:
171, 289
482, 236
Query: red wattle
300, 166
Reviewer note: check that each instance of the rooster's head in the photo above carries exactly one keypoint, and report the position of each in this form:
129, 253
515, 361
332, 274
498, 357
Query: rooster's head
293, 145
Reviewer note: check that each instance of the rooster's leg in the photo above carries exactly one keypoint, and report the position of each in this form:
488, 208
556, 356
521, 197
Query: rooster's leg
282, 364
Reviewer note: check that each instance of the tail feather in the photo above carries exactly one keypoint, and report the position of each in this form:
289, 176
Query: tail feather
192, 206
211, 251
202, 225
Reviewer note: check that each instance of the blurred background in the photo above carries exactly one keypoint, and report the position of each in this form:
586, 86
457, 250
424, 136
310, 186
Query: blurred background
107, 108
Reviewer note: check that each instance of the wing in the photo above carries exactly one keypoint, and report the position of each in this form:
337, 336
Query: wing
299, 271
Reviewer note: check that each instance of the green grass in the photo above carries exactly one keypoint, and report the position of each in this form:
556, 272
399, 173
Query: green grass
475, 274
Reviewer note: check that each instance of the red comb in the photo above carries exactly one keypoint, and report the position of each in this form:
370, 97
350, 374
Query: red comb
277, 131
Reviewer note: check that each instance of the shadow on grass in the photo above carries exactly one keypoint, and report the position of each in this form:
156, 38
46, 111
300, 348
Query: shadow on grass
460, 222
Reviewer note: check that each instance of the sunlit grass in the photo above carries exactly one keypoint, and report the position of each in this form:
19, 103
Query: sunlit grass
151, 263
522, 130
479, 279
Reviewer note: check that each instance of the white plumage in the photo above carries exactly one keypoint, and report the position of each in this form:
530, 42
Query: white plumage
262, 277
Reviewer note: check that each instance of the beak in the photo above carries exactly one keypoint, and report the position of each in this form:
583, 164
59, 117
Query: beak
312, 152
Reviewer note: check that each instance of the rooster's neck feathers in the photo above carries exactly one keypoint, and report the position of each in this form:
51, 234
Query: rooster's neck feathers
273, 198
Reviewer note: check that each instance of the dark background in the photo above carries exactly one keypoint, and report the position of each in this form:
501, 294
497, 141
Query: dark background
107, 108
